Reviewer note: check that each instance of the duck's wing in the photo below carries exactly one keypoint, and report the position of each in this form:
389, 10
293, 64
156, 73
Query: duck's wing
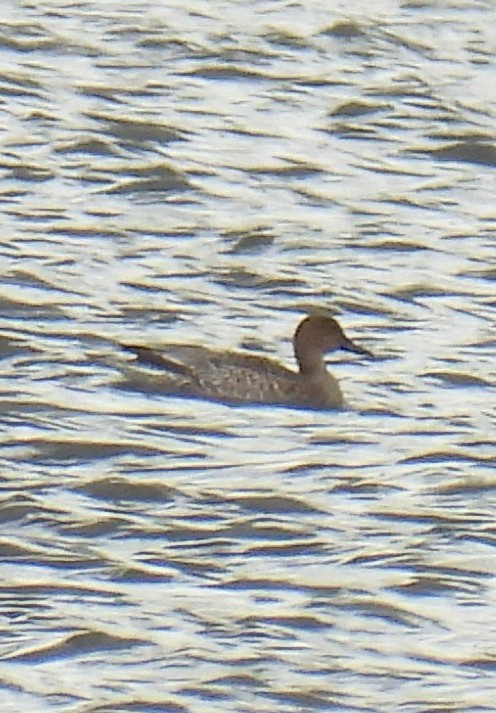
186, 360
227, 377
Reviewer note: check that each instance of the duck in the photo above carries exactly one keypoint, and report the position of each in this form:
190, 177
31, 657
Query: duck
243, 378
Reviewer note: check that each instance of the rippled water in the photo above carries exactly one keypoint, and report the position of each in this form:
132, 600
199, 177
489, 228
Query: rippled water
204, 172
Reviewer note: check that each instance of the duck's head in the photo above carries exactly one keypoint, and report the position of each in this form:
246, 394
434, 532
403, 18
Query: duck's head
318, 335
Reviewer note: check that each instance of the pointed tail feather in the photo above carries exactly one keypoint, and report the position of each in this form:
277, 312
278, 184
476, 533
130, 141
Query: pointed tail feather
149, 356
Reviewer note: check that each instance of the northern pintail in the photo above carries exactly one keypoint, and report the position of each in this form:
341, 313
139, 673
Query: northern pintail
235, 377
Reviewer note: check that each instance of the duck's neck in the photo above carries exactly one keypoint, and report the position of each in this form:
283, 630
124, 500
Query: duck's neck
311, 362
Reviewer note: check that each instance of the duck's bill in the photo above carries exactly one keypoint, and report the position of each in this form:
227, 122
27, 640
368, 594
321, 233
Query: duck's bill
350, 346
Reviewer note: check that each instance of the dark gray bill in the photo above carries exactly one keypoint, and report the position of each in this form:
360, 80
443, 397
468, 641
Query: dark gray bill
350, 346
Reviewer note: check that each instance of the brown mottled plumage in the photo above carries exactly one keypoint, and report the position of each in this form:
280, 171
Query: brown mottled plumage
243, 378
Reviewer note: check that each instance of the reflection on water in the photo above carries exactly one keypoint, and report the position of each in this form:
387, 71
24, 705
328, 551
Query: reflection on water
204, 177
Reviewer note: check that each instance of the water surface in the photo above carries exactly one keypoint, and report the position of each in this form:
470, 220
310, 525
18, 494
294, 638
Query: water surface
203, 173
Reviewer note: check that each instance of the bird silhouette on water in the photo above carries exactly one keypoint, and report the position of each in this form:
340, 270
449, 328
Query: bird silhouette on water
240, 378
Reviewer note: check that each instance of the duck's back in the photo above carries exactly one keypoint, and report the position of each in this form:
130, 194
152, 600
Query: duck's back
238, 378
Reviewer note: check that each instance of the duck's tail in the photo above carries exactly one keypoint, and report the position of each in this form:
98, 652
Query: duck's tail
150, 356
